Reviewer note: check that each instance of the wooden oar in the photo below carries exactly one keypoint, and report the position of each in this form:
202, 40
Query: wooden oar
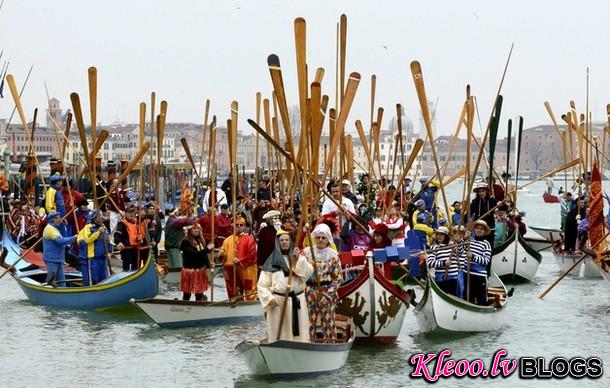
563, 275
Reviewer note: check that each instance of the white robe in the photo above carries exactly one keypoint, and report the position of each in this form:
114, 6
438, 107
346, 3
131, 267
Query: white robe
270, 283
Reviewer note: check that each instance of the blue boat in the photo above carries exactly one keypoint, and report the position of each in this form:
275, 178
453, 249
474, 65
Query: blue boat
115, 290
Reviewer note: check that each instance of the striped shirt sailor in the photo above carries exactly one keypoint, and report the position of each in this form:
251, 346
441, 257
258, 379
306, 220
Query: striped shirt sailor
481, 256
437, 259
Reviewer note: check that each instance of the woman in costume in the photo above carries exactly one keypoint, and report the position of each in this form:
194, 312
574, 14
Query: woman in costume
272, 284
195, 264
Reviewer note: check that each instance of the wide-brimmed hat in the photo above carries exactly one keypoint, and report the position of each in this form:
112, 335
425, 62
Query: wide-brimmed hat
480, 185
271, 214
483, 224
443, 230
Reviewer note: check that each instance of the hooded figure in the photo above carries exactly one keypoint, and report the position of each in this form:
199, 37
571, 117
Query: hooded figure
272, 285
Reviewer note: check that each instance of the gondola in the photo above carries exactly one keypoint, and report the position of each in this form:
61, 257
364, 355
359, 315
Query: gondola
550, 198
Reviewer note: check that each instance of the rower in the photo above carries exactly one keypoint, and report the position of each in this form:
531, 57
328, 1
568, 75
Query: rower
94, 245
239, 253
445, 262
479, 256
54, 201
54, 246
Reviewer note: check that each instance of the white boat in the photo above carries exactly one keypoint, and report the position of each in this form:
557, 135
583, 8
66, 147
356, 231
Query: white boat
293, 358
514, 260
539, 244
585, 269
604, 274
550, 234
376, 305
438, 311
180, 313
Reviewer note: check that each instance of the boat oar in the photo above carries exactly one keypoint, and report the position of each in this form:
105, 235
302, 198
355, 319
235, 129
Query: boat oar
563, 275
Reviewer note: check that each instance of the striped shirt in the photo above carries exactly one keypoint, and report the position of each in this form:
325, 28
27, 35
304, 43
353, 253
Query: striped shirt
439, 257
481, 256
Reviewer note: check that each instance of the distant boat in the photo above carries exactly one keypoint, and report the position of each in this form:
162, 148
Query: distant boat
438, 311
550, 198
550, 234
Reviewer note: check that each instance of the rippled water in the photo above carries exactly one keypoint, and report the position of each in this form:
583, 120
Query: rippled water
40, 346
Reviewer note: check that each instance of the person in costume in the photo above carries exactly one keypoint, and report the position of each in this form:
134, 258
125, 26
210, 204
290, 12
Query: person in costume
478, 258
446, 262
321, 291
54, 200
272, 286
174, 234
428, 193
397, 227
353, 236
266, 235
195, 264
23, 223
54, 246
94, 247
482, 207
380, 238
129, 240
240, 267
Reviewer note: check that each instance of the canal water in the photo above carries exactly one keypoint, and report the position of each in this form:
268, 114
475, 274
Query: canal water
41, 346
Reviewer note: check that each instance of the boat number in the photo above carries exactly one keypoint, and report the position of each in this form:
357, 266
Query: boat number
455, 315
504, 259
524, 260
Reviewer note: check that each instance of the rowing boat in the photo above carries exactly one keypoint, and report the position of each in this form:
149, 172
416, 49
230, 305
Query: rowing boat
538, 244
550, 198
180, 313
585, 269
294, 358
514, 260
113, 291
438, 311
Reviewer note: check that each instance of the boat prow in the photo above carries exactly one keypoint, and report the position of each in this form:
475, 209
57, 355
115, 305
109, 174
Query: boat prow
586, 269
438, 311
515, 261
169, 313
550, 234
294, 358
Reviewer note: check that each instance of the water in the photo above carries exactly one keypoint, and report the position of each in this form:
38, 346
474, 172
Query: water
43, 346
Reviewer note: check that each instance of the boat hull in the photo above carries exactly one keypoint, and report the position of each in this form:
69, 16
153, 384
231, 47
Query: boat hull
114, 291
519, 267
547, 233
440, 312
376, 306
177, 313
539, 244
550, 198
292, 358
586, 269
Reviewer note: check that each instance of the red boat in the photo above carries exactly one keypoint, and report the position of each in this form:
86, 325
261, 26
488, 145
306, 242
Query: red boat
550, 198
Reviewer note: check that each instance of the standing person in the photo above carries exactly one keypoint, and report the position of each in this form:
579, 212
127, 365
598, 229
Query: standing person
94, 246
227, 188
54, 246
346, 188
573, 218
174, 234
446, 263
550, 185
128, 239
119, 200
482, 206
396, 225
273, 284
322, 286
266, 236
479, 258
194, 274
380, 238
566, 204
354, 237
239, 253
54, 200
154, 227
221, 199
330, 208
428, 193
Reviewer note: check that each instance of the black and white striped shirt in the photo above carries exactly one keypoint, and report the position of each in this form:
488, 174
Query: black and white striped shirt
438, 258
481, 256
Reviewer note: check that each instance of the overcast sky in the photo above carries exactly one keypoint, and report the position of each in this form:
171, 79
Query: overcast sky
188, 51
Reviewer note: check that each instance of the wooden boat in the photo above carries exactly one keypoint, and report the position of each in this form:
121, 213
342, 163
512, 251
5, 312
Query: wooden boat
586, 269
539, 244
293, 358
376, 305
438, 311
116, 290
514, 260
179, 313
550, 234
550, 198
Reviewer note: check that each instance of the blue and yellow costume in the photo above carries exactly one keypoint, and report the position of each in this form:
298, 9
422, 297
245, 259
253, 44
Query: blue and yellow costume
54, 246
93, 249
54, 200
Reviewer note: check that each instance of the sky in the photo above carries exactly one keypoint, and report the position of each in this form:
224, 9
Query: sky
190, 51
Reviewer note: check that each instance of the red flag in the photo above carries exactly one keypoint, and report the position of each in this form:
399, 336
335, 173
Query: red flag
597, 228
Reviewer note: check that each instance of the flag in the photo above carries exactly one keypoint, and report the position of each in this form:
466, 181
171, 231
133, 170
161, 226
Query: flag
186, 200
597, 230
